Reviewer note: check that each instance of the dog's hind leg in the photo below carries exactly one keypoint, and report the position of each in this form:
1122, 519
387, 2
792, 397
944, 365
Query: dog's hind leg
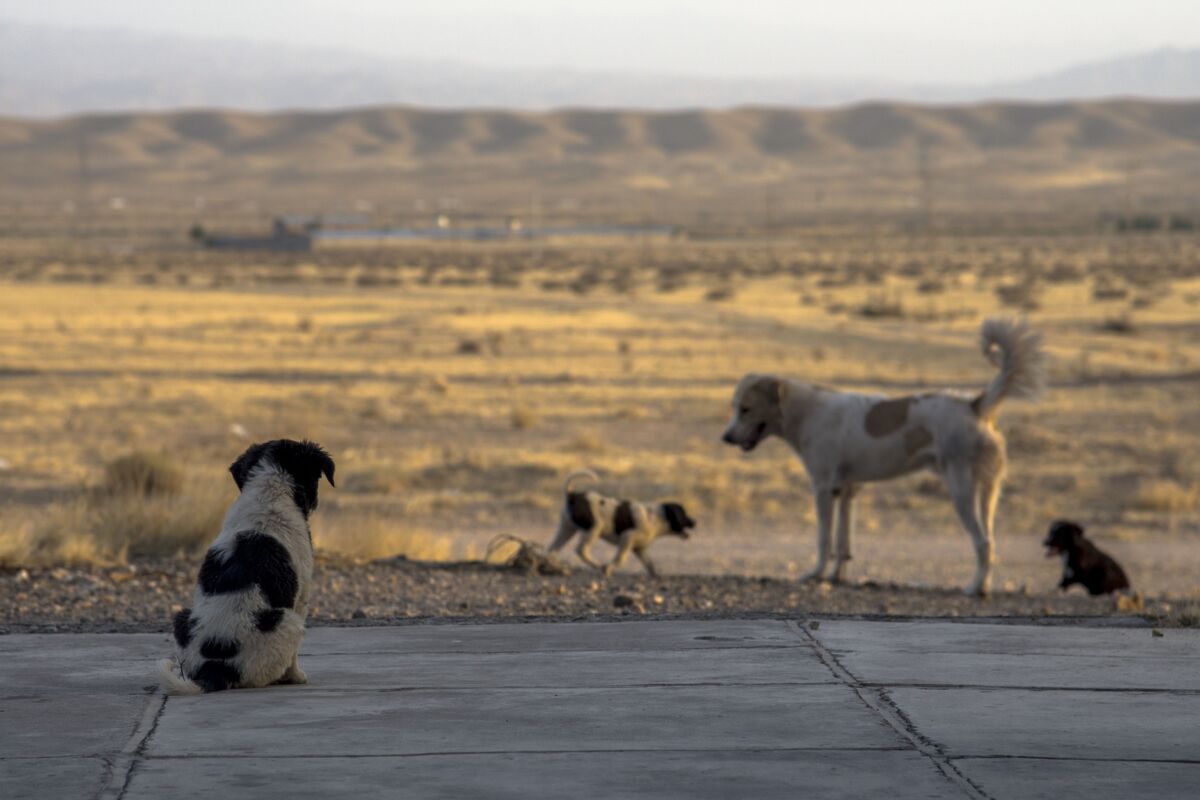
824, 501
963, 493
845, 527
294, 674
989, 496
623, 551
566, 529
644, 557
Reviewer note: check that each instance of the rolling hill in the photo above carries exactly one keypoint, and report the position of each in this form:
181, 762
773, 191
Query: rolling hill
999, 153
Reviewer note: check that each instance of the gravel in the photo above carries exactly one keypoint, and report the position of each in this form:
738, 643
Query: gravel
143, 596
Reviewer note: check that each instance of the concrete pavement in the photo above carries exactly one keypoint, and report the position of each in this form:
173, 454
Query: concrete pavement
695, 709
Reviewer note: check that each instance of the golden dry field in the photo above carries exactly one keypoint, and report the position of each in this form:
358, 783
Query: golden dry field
457, 384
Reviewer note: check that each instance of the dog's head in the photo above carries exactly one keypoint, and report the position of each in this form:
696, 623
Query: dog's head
304, 462
757, 411
677, 518
1064, 537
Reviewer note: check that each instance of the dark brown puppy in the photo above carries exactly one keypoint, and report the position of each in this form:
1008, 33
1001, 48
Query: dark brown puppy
1083, 562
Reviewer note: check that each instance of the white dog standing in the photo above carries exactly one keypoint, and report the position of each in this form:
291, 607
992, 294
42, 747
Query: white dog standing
247, 617
846, 439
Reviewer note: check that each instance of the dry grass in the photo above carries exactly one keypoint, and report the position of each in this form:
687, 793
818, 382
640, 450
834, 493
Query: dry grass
441, 446
1166, 496
369, 536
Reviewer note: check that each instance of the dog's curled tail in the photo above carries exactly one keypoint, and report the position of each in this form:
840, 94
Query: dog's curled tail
579, 473
1016, 349
172, 682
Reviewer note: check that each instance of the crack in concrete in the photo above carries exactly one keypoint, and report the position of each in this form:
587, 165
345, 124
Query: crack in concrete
553, 651
538, 752
879, 701
333, 690
125, 763
991, 687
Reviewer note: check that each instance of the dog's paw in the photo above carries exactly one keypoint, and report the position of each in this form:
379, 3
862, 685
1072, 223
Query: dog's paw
294, 676
811, 575
607, 570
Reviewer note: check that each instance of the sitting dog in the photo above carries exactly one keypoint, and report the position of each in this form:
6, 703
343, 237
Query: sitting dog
247, 616
1083, 562
630, 526
847, 439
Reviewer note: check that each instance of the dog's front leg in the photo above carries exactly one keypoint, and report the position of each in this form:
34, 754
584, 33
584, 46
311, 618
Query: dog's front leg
845, 526
824, 500
623, 551
644, 557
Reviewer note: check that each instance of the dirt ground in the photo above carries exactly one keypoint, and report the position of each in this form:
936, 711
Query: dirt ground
144, 596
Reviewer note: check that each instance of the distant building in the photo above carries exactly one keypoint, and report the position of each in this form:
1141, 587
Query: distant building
287, 233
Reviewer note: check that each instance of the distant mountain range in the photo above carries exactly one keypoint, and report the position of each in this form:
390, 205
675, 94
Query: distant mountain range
609, 165
53, 71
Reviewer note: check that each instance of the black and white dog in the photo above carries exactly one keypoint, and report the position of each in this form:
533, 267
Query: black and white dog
247, 616
632, 527
1083, 562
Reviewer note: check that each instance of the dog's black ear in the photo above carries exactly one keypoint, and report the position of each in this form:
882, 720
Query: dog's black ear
677, 517
1066, 528
240, 469
305, 462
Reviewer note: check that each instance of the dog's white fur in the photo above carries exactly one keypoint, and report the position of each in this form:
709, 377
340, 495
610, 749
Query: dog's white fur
266, 506
649, 523
846, 439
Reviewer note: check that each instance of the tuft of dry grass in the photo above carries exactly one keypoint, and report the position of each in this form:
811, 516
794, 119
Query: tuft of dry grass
142, 474
371, 536
103, 528
522, 417
1165, 495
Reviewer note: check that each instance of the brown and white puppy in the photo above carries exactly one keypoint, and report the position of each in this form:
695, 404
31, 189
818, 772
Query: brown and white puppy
632, 527
1083, 562
846, 439
247, 616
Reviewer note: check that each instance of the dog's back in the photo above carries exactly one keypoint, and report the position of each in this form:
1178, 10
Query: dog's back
246, 622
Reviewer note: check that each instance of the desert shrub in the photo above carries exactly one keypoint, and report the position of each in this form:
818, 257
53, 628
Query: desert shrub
1120, 324
719, 293
882, 306
1165, 495
587, 442
1108, 290
522, 417
141, 474
1023, 296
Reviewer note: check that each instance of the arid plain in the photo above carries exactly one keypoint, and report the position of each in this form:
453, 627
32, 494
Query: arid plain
457, 383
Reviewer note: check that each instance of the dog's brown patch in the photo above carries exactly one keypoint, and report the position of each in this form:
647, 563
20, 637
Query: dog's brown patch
887, 417
917, 439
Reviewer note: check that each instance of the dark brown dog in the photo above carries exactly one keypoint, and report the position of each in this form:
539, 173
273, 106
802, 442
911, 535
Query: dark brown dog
1083, 562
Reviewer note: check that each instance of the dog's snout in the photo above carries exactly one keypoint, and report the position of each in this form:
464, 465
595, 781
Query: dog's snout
728, 438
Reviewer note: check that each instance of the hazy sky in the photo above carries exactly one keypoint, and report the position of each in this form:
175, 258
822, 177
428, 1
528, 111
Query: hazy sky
936, 41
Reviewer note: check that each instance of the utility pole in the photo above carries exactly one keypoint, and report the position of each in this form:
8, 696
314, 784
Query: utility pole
925, 178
